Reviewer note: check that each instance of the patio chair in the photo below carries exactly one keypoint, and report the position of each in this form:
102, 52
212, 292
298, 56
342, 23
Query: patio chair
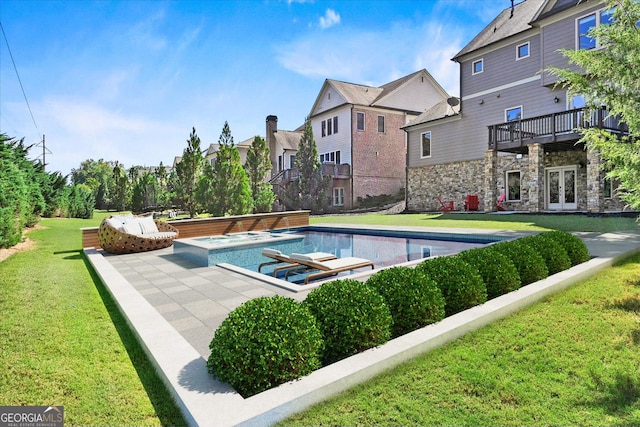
471, 202
446, 206
327, 268
126, 234
500, 201
280, 258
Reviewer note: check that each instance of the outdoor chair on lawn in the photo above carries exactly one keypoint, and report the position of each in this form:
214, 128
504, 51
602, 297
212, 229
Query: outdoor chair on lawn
446, 206
500, 201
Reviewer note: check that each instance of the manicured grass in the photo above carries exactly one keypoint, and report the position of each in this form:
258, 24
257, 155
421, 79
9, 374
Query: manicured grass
529, 222
571, 359
64, 342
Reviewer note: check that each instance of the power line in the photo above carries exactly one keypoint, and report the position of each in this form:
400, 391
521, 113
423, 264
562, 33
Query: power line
19, 80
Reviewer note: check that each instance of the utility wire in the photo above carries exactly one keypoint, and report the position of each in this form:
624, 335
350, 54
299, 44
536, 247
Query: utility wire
20, 81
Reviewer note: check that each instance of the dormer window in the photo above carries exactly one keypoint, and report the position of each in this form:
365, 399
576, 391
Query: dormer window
477, 67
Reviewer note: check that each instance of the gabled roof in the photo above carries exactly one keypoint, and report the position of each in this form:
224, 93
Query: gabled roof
439, 111
556, 6
287, 139
505, 25
371, 96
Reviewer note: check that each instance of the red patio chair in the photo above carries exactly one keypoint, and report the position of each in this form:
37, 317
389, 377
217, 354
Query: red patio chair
501, 201
447, 206
471, 202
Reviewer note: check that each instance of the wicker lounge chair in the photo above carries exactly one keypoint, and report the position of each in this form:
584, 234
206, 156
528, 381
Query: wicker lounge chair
126, 234
327, 268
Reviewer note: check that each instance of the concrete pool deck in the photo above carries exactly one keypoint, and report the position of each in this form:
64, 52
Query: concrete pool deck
174, 307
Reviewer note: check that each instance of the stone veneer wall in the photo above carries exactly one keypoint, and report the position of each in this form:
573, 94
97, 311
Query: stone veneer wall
450, 181
454, 181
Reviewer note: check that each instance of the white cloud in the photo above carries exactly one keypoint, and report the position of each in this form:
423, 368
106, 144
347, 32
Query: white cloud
377, 57
330, 18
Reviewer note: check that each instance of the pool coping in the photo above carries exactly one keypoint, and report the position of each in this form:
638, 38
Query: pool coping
205, 401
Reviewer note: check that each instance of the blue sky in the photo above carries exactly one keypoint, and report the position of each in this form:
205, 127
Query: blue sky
127, 80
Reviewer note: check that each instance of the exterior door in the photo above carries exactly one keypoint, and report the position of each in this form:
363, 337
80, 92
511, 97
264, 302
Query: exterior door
561, 188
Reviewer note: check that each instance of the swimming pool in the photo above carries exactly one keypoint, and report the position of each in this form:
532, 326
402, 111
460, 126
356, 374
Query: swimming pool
383, 247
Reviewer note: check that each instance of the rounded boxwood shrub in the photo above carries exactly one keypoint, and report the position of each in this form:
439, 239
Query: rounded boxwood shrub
497, 271
351, 316
576, 249
530, 264
414, 299
553, 253
265, 342
461, 285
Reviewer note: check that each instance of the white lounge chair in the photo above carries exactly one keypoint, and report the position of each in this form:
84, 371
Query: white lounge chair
280, 258
329, 267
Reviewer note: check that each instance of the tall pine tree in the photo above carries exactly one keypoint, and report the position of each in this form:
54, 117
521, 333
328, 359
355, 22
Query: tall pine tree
311, 186
224, 189
187, 174
258, 166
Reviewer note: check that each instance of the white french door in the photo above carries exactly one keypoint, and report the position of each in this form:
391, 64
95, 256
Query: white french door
561, 188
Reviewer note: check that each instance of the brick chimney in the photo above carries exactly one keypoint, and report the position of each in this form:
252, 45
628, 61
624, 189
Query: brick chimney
272, 127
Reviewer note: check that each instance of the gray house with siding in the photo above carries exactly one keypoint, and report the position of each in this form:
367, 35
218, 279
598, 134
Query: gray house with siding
512, 135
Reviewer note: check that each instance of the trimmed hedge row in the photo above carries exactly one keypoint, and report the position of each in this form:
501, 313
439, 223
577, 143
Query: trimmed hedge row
271, 340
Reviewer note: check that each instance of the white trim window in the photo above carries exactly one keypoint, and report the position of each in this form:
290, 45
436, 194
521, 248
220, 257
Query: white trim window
329, 127
425, 145
331, 157
585, 23
335, 124
514, 187
477, 66
513, 114
380, 124
523, 51
359, 121
338, 196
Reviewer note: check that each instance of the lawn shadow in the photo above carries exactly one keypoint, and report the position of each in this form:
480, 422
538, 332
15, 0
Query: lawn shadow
162, 401
619, 396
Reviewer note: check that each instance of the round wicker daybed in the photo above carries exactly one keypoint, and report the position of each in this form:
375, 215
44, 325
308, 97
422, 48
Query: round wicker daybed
126, 234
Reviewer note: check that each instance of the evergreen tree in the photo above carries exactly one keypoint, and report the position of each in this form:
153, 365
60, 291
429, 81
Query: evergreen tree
164, 196
187, 174
311, 186
610, 76
120, 195
258, 166
224, 189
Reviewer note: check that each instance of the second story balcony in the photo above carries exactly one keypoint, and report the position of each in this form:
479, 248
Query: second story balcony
561, 131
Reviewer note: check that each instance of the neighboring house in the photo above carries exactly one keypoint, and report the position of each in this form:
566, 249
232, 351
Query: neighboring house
358, 133
243, 147
357, 130
514, 133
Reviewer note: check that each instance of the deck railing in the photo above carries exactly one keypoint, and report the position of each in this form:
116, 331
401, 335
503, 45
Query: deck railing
328, 169
549, 127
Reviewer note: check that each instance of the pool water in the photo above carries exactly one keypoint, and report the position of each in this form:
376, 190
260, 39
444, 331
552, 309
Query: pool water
382, 247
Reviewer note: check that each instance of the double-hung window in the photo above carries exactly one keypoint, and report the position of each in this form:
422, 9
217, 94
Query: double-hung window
381, 124
359, 121
329, 127
425, 142
513, 186
324, 128
586, 23
335, 124
338, 196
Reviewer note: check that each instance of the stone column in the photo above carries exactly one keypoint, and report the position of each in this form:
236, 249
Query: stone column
595, 183
490, 180
536, 178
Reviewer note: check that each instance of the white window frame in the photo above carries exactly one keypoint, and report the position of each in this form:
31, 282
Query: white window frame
506, 111
518, 57
598, 20
358, 113
329, 127
506, 185
384, 124
473, 66
422, 156
335, 124
338, 196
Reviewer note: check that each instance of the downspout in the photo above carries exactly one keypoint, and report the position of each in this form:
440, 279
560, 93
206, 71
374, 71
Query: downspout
406, 170
352, 158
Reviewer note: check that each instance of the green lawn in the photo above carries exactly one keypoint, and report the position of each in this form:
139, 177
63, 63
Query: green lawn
531, 222
572, 359
64, 342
